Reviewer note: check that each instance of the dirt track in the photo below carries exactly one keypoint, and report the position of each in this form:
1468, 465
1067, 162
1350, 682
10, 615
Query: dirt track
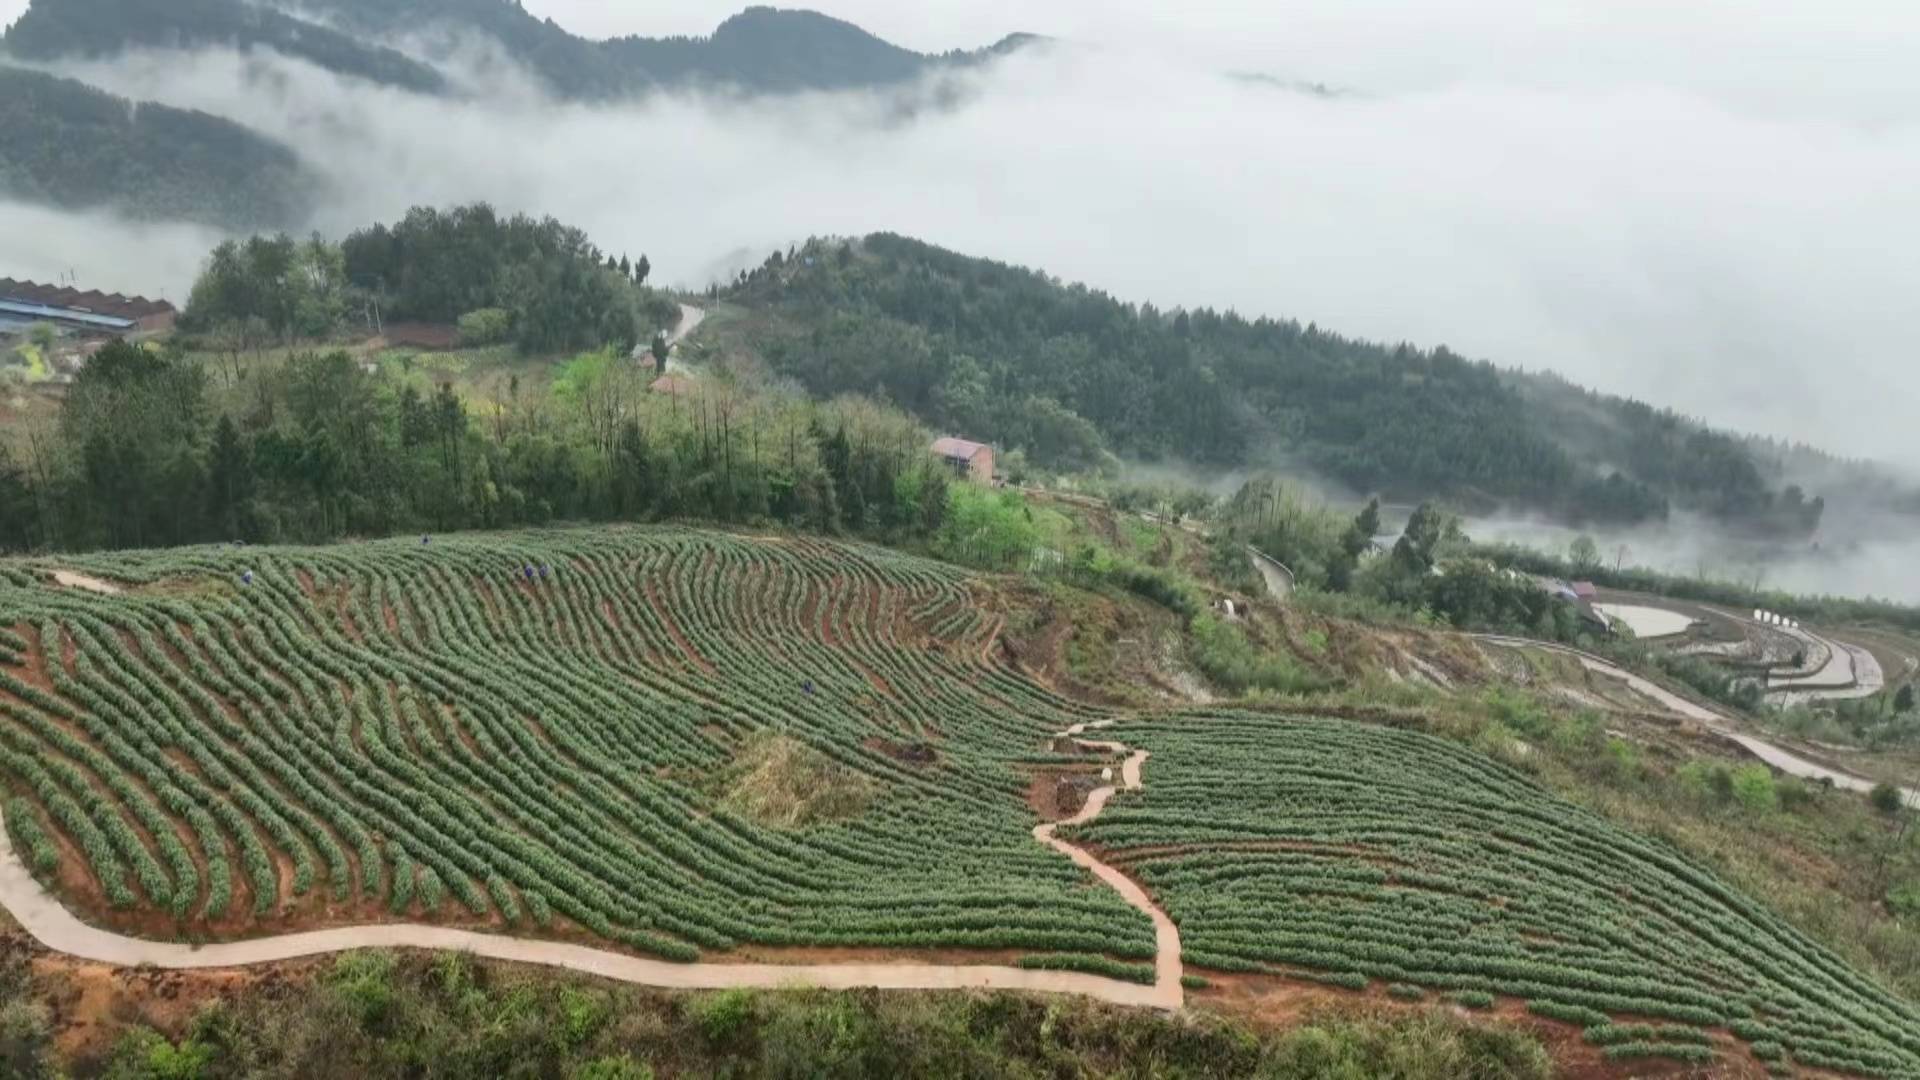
53, 926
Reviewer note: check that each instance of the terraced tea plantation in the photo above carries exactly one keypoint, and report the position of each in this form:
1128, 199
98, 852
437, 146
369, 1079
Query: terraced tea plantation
684, 742
1363, 855
558, 730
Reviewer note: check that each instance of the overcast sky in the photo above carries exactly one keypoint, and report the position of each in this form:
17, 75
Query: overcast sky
1711, 206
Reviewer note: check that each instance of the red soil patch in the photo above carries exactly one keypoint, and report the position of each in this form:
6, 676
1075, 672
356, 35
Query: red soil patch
35, 673
1058, 795
673, 629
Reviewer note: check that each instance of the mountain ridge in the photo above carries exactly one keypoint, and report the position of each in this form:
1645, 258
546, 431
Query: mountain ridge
758, 51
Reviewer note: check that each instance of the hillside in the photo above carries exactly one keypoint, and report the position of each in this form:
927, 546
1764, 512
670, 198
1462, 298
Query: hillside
1069, 373
101, 29
690, 745
65, 144
759, 51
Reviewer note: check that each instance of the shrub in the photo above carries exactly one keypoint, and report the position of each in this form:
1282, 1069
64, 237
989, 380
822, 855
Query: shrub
487, 326
1887, 799
1420, 1046
1753, 789
623, 1067
722, 1017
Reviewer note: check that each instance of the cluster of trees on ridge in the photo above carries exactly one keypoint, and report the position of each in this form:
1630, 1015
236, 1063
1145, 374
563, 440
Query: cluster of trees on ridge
1070, 373
537, 283
65, 144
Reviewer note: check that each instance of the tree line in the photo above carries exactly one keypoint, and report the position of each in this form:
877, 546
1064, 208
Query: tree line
149, 451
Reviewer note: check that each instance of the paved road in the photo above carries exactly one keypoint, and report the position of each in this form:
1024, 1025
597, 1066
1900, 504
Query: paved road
53, 926
1279, 579
690, 319
1719, 722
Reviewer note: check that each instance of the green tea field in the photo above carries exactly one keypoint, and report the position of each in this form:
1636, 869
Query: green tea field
692, 746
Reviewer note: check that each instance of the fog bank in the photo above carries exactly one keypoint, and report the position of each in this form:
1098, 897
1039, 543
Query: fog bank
1745, 267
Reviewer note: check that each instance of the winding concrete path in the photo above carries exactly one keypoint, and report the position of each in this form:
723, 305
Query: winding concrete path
1720, 723
690, 319
53, 926
1279, 579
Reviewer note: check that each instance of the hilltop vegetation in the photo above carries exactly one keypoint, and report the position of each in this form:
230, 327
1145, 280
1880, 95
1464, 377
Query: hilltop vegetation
538, 283
1069, 373
65, 144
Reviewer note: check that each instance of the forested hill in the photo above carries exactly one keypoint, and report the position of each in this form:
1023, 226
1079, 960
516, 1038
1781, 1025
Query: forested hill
66, 144
95, 29
1068, 373
760, 51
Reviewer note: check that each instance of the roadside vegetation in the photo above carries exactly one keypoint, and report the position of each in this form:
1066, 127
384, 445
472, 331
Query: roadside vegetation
385, 1017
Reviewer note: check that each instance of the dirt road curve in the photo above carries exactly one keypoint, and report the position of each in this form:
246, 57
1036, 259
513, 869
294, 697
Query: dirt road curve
51, 924
1719, 722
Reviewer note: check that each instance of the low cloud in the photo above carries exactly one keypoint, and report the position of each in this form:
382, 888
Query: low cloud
1748, 265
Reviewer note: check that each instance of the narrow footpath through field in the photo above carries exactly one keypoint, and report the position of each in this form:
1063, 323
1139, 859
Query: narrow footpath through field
53, 926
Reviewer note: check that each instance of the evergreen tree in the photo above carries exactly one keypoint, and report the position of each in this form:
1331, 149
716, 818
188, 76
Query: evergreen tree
230, 481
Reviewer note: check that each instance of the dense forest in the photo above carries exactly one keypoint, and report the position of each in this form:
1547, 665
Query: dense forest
1726, 476
92, 29
761, 50
65, 144
537, 283
1069, 373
